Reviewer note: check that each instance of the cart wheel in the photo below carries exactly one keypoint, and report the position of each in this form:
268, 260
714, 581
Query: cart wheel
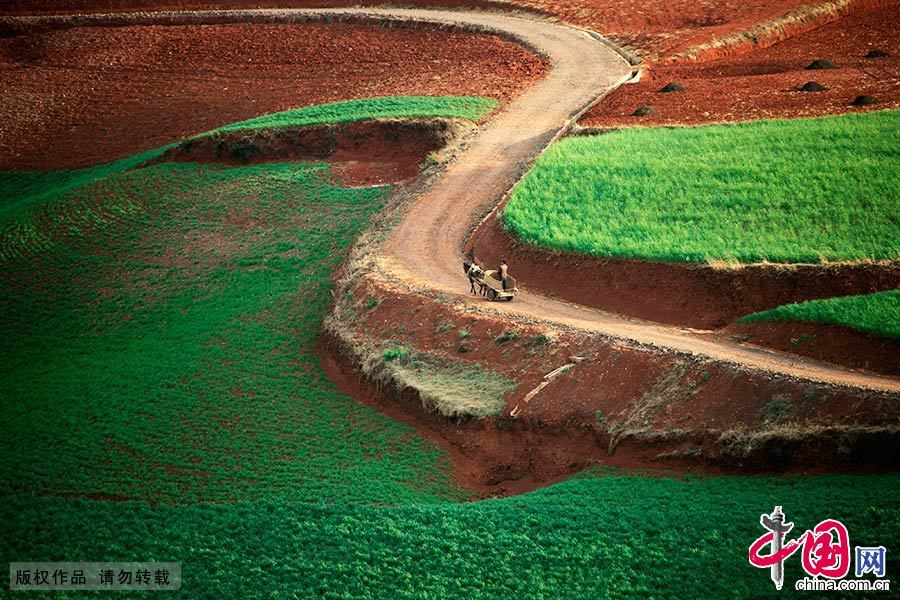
492, 294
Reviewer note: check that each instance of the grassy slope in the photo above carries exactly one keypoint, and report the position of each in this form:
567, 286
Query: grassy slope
164, 332
170, 356
878, 314
162, 350
783, 191
608, 537
472, 108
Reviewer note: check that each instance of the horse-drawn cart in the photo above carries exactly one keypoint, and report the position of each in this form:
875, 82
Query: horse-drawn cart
494, 287
488, 283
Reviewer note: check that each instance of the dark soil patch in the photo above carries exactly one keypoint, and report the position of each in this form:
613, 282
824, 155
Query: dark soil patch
671, 87
831, 343
820, 64
695, 295
864, 100
643, 111
813, 86
364, 153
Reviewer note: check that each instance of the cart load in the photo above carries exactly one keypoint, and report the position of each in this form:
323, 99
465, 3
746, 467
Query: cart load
495, 289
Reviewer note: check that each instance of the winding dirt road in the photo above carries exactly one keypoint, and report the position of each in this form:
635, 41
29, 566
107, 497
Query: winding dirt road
425, 249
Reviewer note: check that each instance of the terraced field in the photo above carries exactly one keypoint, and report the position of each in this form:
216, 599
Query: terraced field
163, 319
164, 400
800, 191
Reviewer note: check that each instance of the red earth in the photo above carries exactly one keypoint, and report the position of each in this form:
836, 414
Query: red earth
766, 83
757, 84
83, 96
831, 343
650, 26
661, 27
361, 154
690, 294
621, 406
19, 7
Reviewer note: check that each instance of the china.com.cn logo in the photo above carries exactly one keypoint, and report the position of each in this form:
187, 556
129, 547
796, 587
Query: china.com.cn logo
825, 552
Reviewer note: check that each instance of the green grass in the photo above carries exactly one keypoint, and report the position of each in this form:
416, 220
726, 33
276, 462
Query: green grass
169, 355
591, 537
161, 320
460, 107
782, 191
878, 313
22, 190
162, 400
394, 353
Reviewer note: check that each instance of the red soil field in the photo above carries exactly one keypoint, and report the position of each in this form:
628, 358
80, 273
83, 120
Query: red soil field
16, 7
82, 96
650, 26
664, 26
766, 83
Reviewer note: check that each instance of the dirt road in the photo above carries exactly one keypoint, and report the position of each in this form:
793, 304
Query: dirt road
425, 249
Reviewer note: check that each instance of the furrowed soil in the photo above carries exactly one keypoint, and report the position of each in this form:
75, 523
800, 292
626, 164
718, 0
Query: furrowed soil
657, 27
766, 83
83, 96
56, 6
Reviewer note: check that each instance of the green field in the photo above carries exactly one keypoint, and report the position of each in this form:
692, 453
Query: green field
592, 537
162, 400
878, 314
451, 107
782, 191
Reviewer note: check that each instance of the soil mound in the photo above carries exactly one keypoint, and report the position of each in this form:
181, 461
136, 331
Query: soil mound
672, 87
813, 86
643, 111
820, 64
364, 153
864, 101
